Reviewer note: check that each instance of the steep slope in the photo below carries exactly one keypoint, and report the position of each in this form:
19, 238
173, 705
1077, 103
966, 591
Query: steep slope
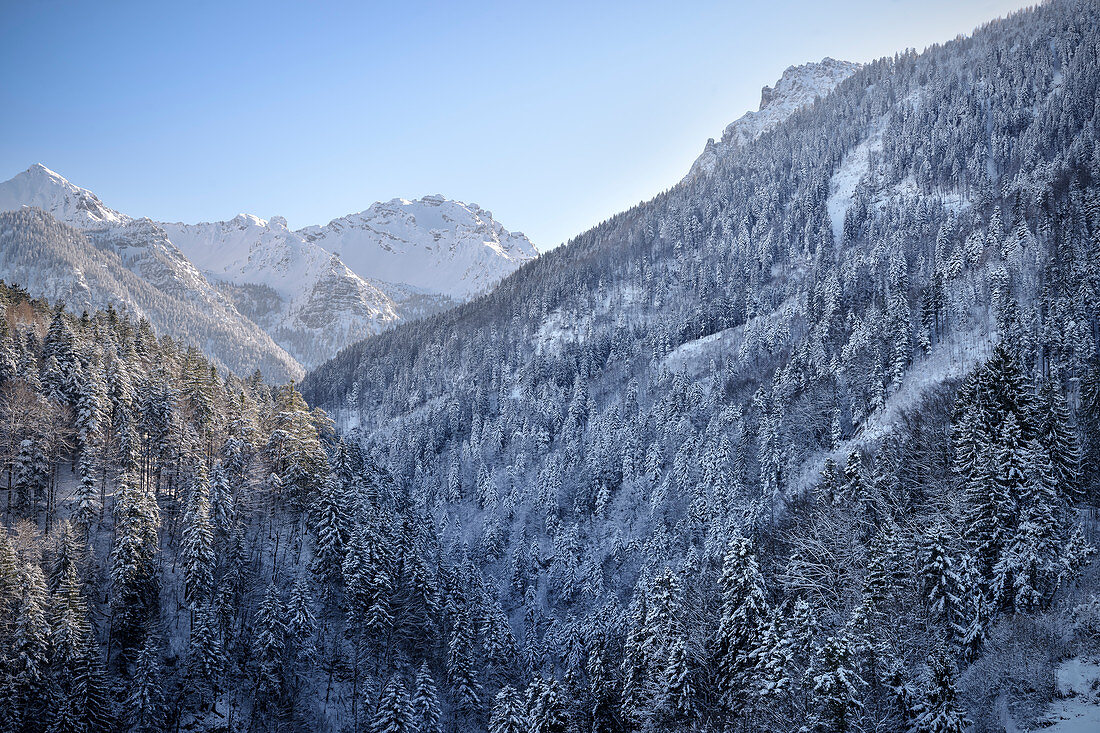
54, 260
432, 244
600, 433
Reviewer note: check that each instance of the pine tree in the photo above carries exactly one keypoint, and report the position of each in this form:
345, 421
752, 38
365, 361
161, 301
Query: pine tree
301, 621
197, 545
368, 576
331, 525
393, 714
78, 687
635, 669
546, 711
775, 655
741, 623
134, 593
905, 708
836, 686
223, 505
675, 699
662, 623
942, 584
941, 712
508, 714
1029, 570
425, 703
204, 655
87, 495
269, 644
885, 571
144, 707
1058, 438
28, 666
461, 665
295, 448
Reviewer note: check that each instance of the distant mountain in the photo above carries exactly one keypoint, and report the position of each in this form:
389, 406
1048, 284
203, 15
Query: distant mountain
434, 244
40, 187
407, 259
797, 88
134, 269
298, 292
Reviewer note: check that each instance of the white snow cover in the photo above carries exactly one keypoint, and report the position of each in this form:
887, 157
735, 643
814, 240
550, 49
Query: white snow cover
842, 187
434, 244
40, 187
798, 87
333, 285
1078, 683
250, 250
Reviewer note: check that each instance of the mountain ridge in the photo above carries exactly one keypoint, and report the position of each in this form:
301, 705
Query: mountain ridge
431, 252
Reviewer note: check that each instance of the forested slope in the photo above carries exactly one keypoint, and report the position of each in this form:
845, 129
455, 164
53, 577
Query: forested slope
795, 439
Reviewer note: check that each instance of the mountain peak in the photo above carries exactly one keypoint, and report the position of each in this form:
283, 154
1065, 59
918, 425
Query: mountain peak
50, 191
434, 244
798, 87
40, 171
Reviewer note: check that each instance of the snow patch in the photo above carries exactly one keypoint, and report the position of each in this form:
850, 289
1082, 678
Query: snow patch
1077, 681
842, 186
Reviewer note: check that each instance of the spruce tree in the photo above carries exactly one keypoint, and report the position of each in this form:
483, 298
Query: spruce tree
740, 626
941, 713
942, 584
392, 715
508, 715
197, 545
836, 686
143, 704
462, 666
425, 702
269, 645
30, 639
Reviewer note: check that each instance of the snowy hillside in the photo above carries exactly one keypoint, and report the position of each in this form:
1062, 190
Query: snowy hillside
805, 440
434, 244
797, 88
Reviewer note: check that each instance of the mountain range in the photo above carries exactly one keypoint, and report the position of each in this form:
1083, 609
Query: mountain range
294, 297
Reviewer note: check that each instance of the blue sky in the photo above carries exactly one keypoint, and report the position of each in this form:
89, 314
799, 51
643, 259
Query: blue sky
552, 115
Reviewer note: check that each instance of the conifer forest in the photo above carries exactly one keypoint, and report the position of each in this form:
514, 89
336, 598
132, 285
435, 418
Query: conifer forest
808, 442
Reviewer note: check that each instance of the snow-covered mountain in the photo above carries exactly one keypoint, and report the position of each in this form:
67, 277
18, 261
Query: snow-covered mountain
109, 257
434, 244
401, 260
40, 187
304, 296
797, 88
55, 260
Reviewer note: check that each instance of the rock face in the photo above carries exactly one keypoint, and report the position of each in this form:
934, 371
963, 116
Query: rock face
797, 88
312, 291
305, 297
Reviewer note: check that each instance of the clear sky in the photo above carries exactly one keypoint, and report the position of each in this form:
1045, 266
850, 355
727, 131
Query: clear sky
552, 115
